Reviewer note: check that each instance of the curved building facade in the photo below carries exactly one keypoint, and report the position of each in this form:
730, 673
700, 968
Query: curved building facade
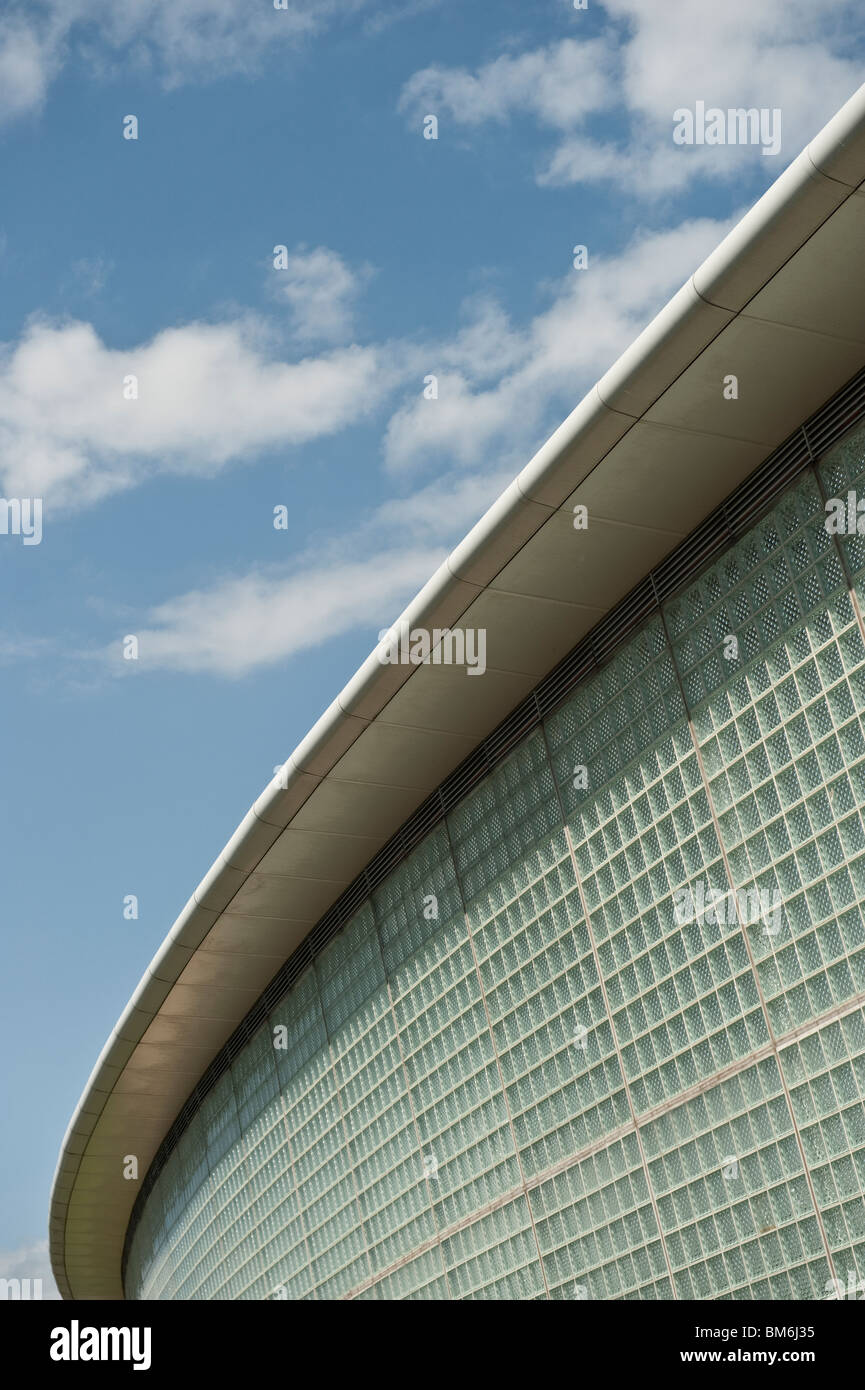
551, 983
532, 1065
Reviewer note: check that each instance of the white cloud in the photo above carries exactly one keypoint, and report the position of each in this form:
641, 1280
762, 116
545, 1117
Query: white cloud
442, 511
559, 84
383, 18
651, 60
209, 395
244, 623
30, 1262
195, 38
459, 424
320, 289
788, 53
28, 61
487, 345
648, 168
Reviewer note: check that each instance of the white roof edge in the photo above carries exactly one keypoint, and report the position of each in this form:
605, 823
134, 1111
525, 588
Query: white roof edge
803, 196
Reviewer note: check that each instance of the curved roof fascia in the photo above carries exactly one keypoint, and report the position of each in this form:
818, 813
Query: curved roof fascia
651, 450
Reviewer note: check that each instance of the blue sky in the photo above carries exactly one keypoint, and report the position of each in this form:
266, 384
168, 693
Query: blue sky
259, 387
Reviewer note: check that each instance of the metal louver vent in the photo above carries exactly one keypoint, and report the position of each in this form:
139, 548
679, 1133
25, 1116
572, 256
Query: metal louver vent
837, 417
612, 630
692, 555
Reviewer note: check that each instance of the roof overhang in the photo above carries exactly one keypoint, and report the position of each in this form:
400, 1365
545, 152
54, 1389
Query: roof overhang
651, 450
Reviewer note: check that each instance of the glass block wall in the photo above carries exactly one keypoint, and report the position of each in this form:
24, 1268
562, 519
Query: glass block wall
602, 1035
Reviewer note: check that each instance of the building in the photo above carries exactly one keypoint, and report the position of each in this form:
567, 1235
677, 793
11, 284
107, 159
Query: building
551, 983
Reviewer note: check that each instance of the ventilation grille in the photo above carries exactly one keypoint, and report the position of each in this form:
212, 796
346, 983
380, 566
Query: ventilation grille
838, 416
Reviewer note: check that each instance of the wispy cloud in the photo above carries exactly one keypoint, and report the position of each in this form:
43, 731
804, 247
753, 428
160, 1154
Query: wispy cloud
559, 84
181, 40
548, 365
244, 623
30, 55
14, 648
320, 289
89, 276
30, 1262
